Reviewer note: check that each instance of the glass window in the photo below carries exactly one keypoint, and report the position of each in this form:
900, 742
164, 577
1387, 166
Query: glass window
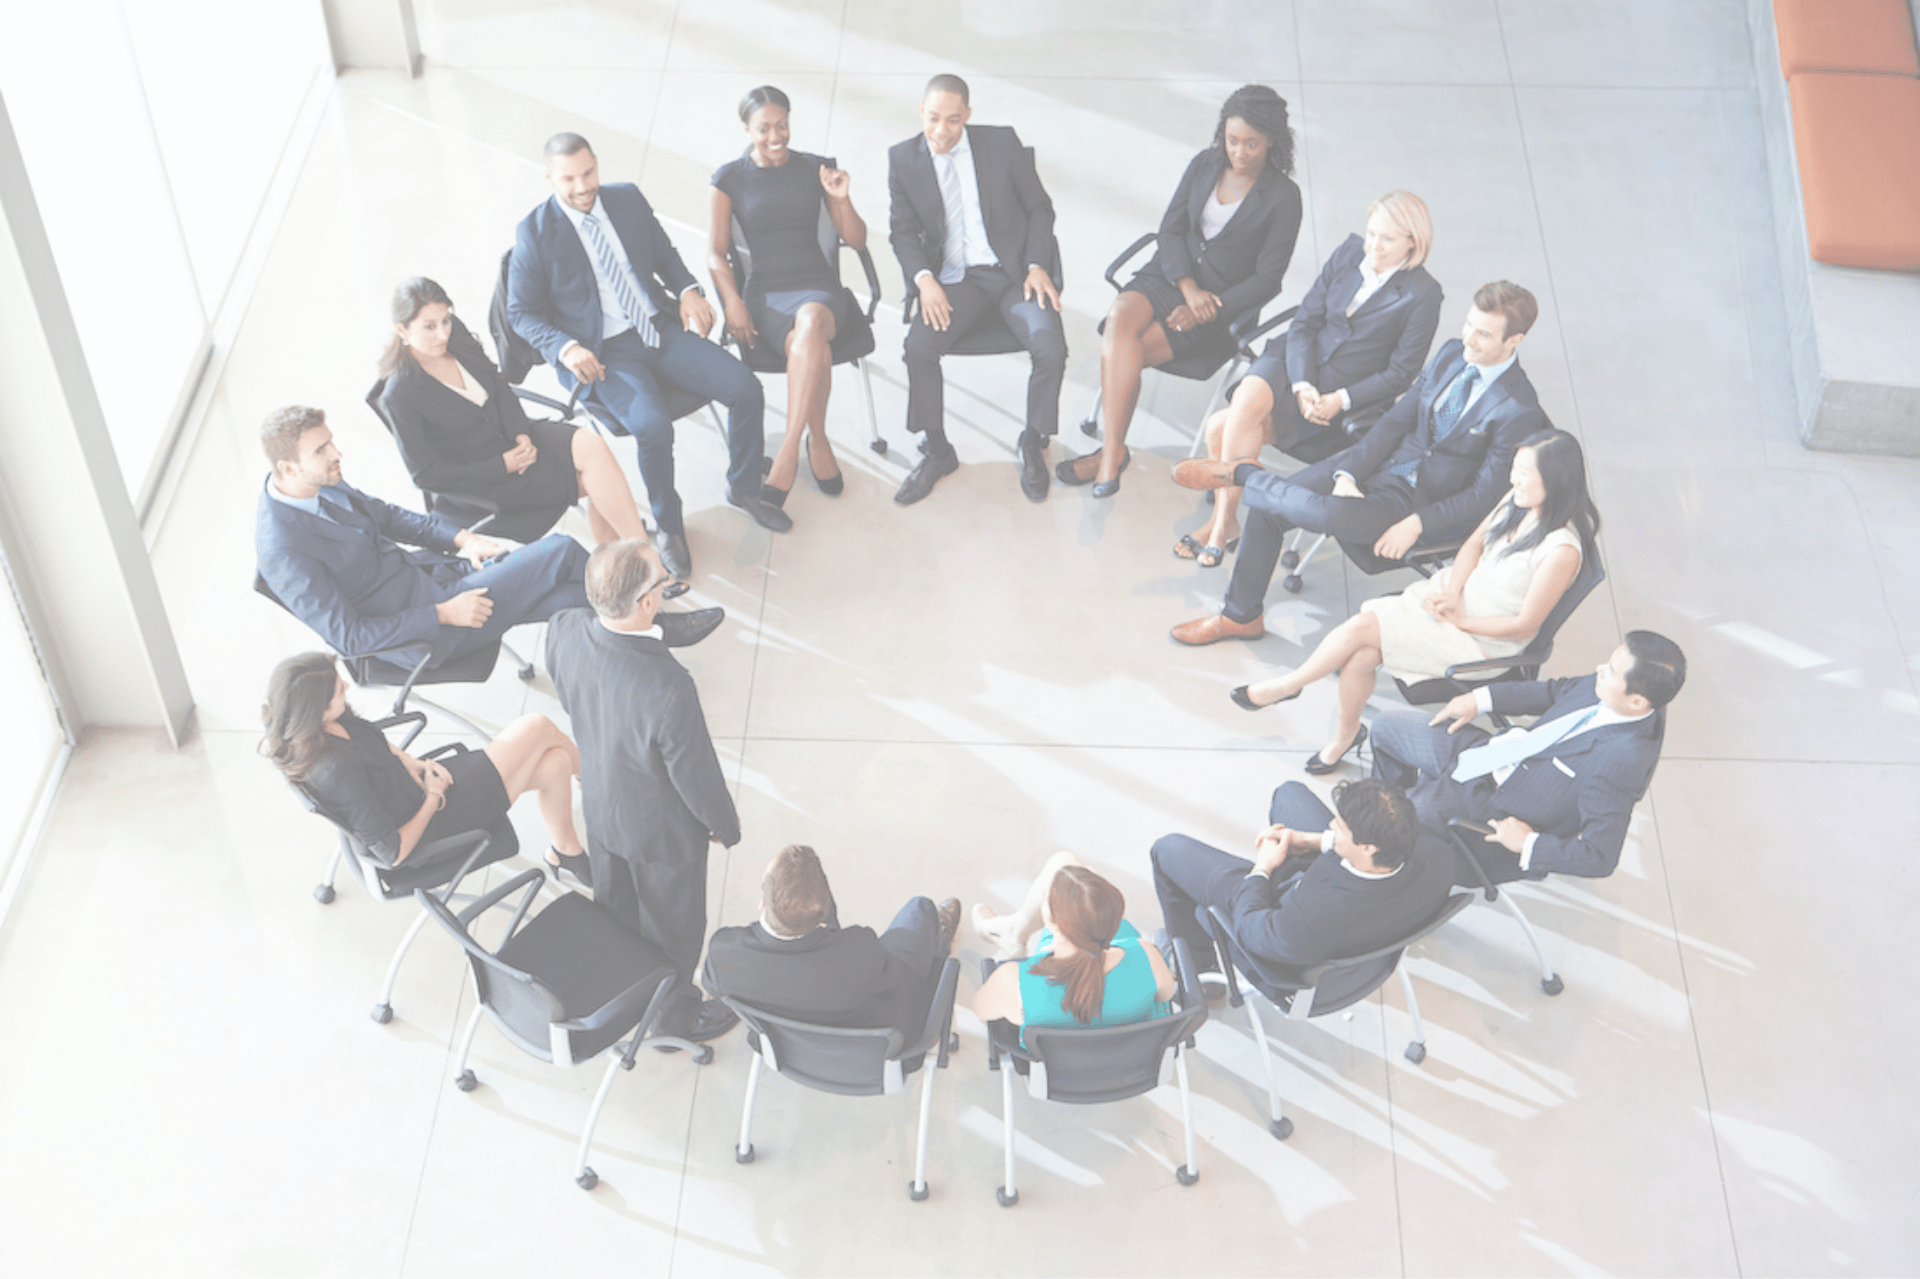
33, 734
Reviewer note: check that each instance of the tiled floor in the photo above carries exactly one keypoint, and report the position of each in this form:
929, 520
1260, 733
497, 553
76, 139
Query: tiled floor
939, 697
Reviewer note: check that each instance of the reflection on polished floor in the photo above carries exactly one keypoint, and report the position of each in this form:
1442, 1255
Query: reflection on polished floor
938, 697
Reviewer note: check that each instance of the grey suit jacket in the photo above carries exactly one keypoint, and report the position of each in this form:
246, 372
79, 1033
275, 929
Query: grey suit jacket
1015, 207
1375, 353
649, 776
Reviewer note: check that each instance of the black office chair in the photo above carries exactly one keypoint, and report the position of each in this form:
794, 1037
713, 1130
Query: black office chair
1244, 328
853, 1063
1325, 988
428, 868
397, 669
852, 342
1084, 1065
564, 985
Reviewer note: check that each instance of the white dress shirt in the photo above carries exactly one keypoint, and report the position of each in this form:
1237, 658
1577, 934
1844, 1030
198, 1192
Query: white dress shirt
611, 321
973, 225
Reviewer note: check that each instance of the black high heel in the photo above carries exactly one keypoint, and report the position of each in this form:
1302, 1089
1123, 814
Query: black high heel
1318, 767
1246, 703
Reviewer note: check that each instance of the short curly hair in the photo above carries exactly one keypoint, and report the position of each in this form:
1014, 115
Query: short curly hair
1266, 111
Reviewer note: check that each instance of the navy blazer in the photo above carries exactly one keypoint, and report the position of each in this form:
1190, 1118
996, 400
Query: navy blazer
1244, 264
1016, 209
552, 298
830, 977
356, 587
1373, 354
1327, 912
1579, 793
1462, 476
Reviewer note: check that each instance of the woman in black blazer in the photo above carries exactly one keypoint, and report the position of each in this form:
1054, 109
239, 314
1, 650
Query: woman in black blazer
1356, 343
1224, 245
462, 432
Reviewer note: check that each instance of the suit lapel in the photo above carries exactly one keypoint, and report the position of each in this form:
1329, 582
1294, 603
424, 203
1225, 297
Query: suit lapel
980, 183
933, 206
1386, 295
1490, 399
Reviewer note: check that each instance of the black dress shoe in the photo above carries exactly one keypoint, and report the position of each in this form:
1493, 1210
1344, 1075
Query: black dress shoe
1319, 767
765, 513
1033, 465
940, 461
684, 630
715, 1020
674, 555
776, 497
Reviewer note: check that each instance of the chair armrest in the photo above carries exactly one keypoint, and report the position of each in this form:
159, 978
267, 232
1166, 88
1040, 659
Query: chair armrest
1184, 990
1222, 932
1250, 328
1532, 655
453, 748
482, 905
618, 1005
481, 841
1457, 831
1113, 268
873, 283
416, 718
939, 1015
491, 508
544, 401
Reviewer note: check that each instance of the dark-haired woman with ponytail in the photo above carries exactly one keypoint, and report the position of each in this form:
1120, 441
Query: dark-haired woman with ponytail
1088, 965
791, 298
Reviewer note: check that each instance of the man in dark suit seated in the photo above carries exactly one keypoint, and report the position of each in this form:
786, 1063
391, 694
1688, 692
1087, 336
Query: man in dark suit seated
585, 288
333, 556
797, 961
650, 779
973, 229
1556, 797
1322, 885
1433, 465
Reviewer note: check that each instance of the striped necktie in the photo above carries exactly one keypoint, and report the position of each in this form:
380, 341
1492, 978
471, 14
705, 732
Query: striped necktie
954, 268
627, 294
1446, 415
1503, 752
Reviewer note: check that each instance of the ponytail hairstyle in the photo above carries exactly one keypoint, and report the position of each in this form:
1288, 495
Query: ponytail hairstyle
1087, 911
760, 96
295, 713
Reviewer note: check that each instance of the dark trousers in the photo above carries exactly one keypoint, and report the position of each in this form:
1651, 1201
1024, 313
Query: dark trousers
1419, 757
530, 584
914, 939
666, 903
983, 292
1274, 506
634, 393
1189, 877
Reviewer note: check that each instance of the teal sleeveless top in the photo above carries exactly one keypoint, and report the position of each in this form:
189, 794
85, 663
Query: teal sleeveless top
1127, 997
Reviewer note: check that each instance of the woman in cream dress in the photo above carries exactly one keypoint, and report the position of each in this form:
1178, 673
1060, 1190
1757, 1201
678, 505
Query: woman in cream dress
1490, 602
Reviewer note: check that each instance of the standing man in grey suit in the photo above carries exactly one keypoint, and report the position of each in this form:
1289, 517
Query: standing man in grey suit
973, 229
655, 796
1557, 796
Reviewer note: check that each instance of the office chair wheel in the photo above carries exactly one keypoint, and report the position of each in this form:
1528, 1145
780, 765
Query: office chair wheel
1416, 1053
1090, 429
879, 446
587, 1180
1280, 1129
382, 1013
526, 673
953, 1043
323, 893
1289, 559
1185, 1176
743, 1156
1553, 985
917, 1193
703, 1055
1292, 582
466, 1081
1006, 1200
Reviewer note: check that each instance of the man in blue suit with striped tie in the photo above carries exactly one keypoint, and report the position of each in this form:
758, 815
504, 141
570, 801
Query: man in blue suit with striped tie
588, 286
1556, 797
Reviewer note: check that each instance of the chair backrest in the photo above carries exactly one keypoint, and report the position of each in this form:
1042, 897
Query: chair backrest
1589, 575
1081, 1065
517, 356
852, 1062
520, 1005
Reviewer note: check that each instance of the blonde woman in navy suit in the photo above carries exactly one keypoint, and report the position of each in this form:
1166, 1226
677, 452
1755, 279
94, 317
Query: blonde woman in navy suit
1357, 342
1223, 248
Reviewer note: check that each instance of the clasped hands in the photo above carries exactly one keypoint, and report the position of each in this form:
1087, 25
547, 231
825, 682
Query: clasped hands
1200, 307
429, 776
1277, 843
1319, 409
521, 456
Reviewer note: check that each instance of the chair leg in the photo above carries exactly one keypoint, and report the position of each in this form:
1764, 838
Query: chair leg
1297, 560
1417, 1047
585, 1177
874, 440
743, 1153
1549, 980
1090, 424
1191, 1172
525, 668
383, 1011
1279, 1125
917, 1188
1008, 1194
323, 891
464, 1078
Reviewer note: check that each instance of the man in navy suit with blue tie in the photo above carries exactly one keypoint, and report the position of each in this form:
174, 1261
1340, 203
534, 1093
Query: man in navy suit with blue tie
1433, 465
1555, 798
588, 288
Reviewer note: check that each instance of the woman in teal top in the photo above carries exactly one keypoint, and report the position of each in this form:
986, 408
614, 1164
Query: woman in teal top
1089, 966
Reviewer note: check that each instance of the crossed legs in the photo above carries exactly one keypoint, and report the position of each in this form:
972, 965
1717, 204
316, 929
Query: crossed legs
1351, 648
1012, 933
533, 754
1236, 433
1132, 342
809, 382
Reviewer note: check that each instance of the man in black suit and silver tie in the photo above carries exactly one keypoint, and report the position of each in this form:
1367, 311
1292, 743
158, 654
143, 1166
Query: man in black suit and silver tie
1556, 797
654, 792
973, 229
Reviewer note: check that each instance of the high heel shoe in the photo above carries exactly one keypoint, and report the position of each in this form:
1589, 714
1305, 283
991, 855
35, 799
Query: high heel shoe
1319, 767
832, 485
1246, 703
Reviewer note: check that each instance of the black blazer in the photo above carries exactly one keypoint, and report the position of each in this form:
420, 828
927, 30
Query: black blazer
450, 444
1244, 264
1462, 476
1375, 353
1015, 207
831, 977
1328, 912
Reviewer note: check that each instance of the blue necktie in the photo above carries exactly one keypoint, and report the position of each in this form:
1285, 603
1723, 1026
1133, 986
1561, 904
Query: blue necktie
1446, 414
1502, 752
627, 294
954, 268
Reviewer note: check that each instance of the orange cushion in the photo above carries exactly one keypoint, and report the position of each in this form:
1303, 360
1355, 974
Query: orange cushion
1858, 141
1845, 35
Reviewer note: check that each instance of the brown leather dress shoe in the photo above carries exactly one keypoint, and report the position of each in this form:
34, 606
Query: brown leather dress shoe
949, 911
1211, 630
1205, 473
